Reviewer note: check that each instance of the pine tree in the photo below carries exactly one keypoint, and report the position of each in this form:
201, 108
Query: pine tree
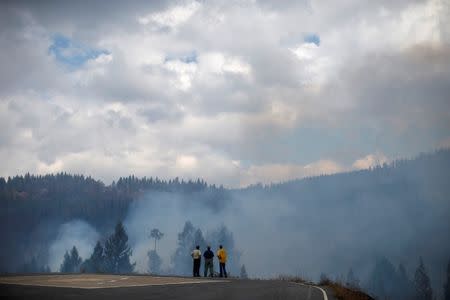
198, 240
154, 262
71, 262
243, 274
352, 281
95, 263
422, 285
447, 284
117, 252
66, 264
383, 279
181, 258
404, 287
98, 258
223, 236
75, 259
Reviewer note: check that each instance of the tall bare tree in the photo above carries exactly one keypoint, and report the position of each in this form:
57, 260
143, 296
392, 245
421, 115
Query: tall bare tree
156, 234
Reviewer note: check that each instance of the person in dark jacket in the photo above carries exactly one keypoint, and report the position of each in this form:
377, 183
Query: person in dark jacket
209, 265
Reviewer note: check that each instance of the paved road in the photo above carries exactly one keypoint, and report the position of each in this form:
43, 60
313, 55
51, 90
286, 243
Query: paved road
232, 289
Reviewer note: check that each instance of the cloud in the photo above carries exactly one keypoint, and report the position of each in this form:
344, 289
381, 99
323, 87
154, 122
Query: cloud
225, 91
172, 17
272, 173
186, 162
370, 161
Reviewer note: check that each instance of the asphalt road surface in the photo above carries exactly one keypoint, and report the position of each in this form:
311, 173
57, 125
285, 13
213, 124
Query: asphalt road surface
118, 287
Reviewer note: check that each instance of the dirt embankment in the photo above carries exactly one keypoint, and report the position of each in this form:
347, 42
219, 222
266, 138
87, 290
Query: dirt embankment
343, 293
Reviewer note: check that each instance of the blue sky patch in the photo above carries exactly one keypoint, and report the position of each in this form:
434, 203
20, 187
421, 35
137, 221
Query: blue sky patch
312, 38
187, 58
72, 53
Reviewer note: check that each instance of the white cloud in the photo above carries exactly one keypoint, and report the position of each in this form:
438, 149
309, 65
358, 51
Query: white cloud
185, 73
188, 162
94, 68
306, 51
323, 167
269, 173
254, 103
171, 17
317, 66
219, 63
370, 160
234, 65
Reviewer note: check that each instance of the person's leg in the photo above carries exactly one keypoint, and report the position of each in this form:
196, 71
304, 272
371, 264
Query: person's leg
212, 268
205, 268
194, 267
220, 269
196, 263
225, 270
208, 268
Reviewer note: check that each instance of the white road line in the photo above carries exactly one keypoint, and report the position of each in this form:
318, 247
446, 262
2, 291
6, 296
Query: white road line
325, 297
148, 284
116, 286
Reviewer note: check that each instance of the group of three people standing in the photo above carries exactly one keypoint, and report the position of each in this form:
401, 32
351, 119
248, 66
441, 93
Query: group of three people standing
209, 261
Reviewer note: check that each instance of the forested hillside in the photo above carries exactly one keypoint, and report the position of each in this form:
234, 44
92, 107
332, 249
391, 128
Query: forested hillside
376, 222
34, 206
371, 221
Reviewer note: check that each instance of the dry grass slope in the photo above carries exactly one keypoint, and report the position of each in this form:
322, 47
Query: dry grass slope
340, 292
343, 293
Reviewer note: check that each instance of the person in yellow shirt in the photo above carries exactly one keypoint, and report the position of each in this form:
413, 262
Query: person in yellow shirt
222, 255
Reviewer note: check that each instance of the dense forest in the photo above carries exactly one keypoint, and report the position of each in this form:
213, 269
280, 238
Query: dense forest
367, 221
32, 207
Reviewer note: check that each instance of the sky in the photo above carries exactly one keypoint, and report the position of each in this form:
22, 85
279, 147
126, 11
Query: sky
234, 92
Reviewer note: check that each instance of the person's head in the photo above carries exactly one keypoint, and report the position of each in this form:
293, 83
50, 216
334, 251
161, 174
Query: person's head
209, 247
197, 247
220, 247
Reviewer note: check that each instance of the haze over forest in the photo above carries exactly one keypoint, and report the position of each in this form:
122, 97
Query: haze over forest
326, 224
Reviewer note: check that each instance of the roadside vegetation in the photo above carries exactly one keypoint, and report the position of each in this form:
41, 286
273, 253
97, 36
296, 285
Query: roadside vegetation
343, 293
347, 291
340, 290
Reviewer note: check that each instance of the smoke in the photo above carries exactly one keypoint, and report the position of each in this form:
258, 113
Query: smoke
267, 241
168, 212
328, 225
74, 233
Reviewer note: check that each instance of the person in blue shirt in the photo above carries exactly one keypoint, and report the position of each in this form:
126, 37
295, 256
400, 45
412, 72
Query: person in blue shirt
209, 265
